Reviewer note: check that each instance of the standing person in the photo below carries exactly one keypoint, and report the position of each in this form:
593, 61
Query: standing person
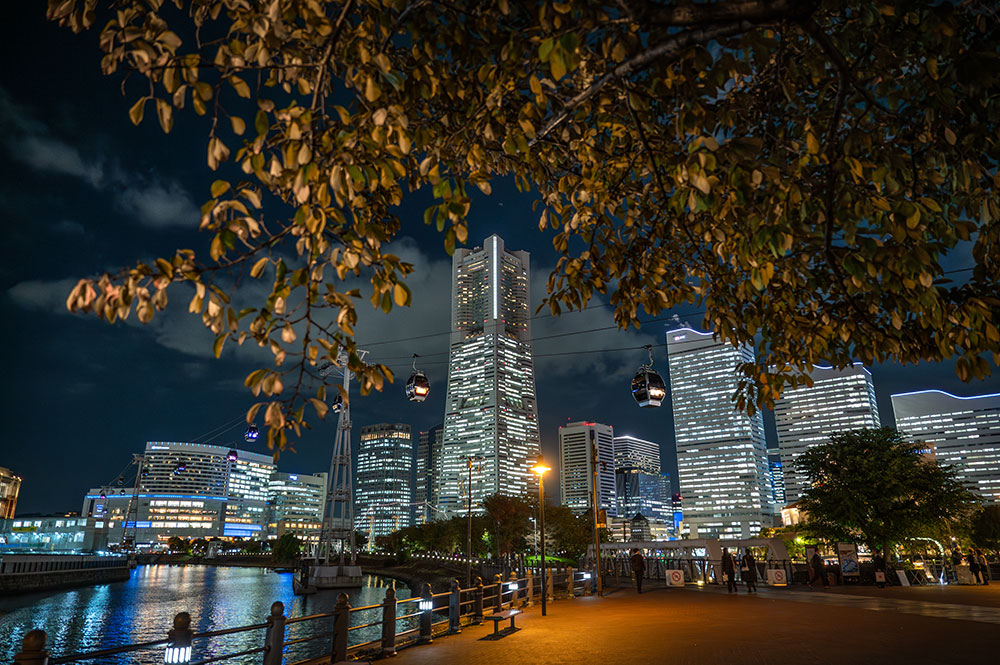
879, 562
956, 561
984, 566
729, 570
974, 566
638, 568
748, 569
819, 569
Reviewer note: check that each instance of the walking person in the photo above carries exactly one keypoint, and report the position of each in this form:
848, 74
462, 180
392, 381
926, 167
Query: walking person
729, 570
984, 566
879, 563
819, 569
748, 569
974, 566
638, 568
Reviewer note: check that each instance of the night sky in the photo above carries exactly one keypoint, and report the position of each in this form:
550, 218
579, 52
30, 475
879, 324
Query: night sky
83, 191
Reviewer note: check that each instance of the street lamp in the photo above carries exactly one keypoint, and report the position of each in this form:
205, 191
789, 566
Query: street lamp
540, 468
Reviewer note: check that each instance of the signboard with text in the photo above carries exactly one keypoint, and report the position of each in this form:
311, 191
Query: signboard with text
847, 553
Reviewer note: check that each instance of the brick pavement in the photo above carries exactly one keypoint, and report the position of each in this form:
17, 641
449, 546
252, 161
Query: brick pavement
702, 627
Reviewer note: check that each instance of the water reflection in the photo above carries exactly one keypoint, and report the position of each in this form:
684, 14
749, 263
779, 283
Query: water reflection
143, 608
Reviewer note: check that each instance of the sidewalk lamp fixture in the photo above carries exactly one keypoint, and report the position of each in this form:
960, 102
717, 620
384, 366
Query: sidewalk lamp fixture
178, 650
540, 468
512, 586
426, 605
586, 575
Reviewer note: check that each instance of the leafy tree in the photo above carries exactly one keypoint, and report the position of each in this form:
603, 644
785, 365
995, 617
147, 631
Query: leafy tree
799, 168
873, 486
509, 520
286, 549
986, 528
178, 544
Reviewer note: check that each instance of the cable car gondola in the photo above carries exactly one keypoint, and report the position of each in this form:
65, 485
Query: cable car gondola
648, 388
180, 468
232, 456
251, 434
121, 480
337, 405
103, 496
418, 387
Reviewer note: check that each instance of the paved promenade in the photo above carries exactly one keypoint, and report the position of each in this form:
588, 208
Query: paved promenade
692, 626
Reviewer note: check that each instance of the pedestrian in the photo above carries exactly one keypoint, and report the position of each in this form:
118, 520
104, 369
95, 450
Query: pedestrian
956, 561
974, 566
638, 568
748, 570
984, 566
819, 569
729, 570
879, 563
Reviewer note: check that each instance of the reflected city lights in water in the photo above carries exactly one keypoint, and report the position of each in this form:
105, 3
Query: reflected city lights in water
143, 608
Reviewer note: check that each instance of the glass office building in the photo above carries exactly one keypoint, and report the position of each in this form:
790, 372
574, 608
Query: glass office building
295, 504
575, 470
428, 472
963, 432
721, 452
634, 453
382, 489
491, 421
839, 400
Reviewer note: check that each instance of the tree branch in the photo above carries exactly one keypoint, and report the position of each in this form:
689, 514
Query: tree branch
690, 14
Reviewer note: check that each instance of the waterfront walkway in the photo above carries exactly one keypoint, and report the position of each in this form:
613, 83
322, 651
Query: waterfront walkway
692, 626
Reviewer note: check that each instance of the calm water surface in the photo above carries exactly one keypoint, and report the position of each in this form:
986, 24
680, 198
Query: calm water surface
142, 609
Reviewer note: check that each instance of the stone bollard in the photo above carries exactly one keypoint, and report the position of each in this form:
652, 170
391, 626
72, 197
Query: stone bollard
587, 589
33, 649
389, 623
498, 599
455, 609
341, 623
274, 636
477, 602
549, 594
531, 590
570, 583
178, 650
426, 609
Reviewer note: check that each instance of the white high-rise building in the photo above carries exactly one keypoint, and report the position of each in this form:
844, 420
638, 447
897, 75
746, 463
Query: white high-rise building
839, 400
963, 432
382, 491
634, 453
721, 454
295, 504
490, 412
576, 481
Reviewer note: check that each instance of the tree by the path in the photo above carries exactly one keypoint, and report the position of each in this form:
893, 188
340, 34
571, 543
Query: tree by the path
986, 528
801, 169
873, 486
286, 549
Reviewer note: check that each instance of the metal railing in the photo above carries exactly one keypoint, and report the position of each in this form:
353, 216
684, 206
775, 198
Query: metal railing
696, 570
403, 622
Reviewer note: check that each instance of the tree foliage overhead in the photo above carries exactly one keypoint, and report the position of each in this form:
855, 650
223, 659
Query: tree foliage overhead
872, 486
799, 168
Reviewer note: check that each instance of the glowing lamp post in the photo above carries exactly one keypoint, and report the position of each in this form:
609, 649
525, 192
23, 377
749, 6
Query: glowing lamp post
179, 641
540, 468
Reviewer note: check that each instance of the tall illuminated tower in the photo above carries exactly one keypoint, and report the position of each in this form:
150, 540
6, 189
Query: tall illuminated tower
721, 454
383, 492
839, 400
576, 481
490, 411
963, 432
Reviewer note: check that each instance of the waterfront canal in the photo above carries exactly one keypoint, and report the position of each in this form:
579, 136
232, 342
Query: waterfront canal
142, 609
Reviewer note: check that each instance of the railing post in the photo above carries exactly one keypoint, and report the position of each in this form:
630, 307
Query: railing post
389, 623
341, 623
426, 609
570, 591
477, 602
33, 649
455, 608
549, 585
515, 592
178, 650
530, 600
498, 599
274, 636
586, 584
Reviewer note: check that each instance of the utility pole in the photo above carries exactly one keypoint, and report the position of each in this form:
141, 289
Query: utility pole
596, 508
468, 549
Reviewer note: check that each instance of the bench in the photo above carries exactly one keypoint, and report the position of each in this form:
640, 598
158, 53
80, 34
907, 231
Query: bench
496, 618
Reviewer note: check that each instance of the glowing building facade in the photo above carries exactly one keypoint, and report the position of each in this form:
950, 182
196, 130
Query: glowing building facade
428, 471
491, 416
295, 504
576, 441
10, 486
634, 453
721, 452
382, 490
963, 432
839, 400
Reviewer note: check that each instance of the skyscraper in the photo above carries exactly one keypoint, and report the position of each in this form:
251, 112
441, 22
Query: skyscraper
721, 453
490, 411
295, 504
10, 485
383, 491
576, 482
777, 474
839, 400
640, 491
963, 432
427, 467
634, 453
